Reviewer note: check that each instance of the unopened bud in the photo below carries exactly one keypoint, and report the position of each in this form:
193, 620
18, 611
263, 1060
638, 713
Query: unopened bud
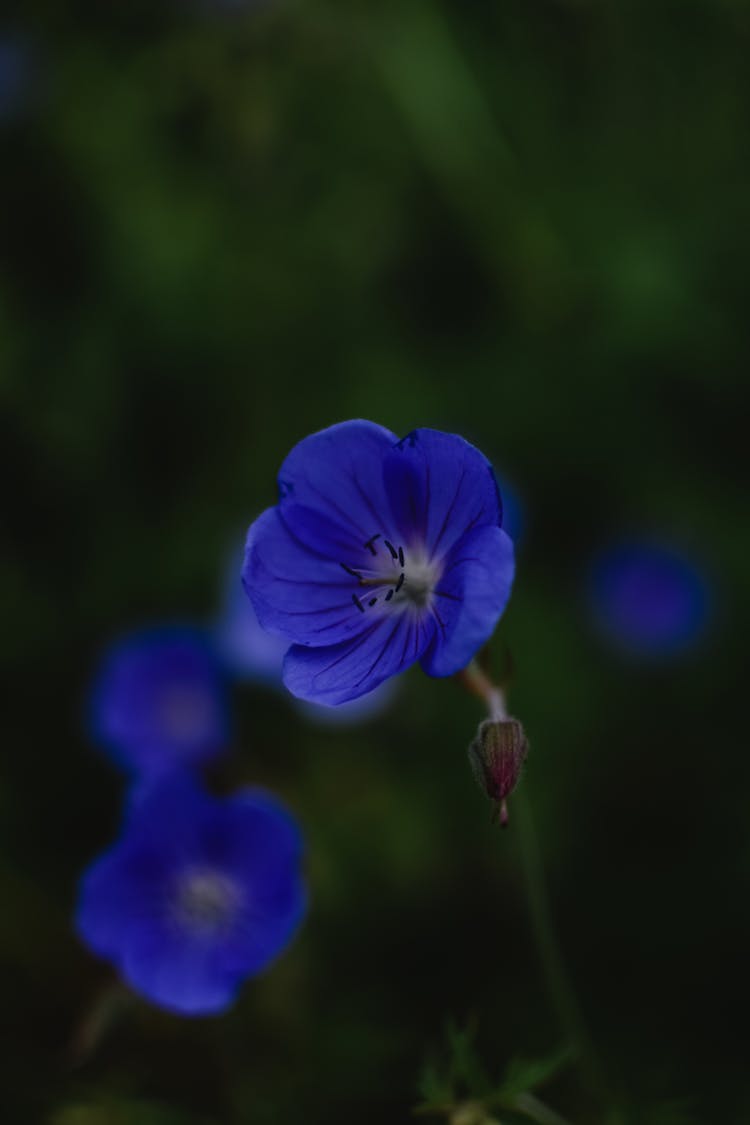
496, 756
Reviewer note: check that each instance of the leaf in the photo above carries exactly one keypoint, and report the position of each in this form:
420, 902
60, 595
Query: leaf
526, 1074
434, 1088
465, 1066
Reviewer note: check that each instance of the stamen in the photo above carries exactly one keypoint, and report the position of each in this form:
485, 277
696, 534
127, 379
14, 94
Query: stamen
369, 544
378, 578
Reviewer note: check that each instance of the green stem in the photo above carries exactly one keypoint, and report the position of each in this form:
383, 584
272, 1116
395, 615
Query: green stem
561, 992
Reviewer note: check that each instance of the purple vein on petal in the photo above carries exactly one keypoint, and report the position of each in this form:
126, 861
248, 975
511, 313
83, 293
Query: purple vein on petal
407, 640
439, 620
449, 513
381, 654
377, 517
319, 612
417, 632
351, 648
336, 584
300, 543
347, 517
428, 499
334, 624
467, 558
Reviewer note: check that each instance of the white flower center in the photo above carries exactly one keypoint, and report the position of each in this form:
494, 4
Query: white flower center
421, 576
206, 900
395, 578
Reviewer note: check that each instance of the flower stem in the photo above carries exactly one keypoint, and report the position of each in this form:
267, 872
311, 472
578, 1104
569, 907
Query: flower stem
476, 682
560, 990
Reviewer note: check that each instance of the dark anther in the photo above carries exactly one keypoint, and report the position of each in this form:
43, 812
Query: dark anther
391, 548
369, 544
389, 595
400, 582
348, 569
372, 601
358, 603
401, 556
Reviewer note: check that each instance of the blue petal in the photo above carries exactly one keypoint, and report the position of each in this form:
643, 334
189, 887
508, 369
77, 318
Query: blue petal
336, 673
440, 487
115, 888
339, 473
300, 592
159, 700
469, 598
361, 710
247, 651
165, 813
252, 834
184, 975
129, 883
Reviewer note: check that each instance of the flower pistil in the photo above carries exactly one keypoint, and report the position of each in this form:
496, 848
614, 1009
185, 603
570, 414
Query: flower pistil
405, 584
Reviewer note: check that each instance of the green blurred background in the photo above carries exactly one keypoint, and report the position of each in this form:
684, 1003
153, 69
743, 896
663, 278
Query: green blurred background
223, 227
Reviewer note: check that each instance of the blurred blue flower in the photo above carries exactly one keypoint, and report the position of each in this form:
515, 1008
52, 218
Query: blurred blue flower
15, 75
197, 895
250, 653
247, 650
513, 509
649, 598
379, 553
159, 701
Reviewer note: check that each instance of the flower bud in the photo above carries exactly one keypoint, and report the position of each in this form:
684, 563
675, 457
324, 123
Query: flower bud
496, 756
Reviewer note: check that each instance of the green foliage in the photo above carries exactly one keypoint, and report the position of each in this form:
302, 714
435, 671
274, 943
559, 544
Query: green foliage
460, 1078
522, 1075
123, 1112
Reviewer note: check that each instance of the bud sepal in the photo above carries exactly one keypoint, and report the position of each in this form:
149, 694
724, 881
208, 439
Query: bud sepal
496, 756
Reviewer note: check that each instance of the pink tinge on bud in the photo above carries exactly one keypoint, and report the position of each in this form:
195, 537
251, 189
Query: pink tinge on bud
496, 756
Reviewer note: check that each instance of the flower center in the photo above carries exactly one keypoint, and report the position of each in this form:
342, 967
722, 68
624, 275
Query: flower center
206, 901
394, 577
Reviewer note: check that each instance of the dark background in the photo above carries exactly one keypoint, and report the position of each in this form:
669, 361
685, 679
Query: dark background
224, 227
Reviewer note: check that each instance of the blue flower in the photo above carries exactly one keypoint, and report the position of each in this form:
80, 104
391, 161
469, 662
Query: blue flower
379, 553
197, 895
250, 653
159, 701
649, 599
514, 518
